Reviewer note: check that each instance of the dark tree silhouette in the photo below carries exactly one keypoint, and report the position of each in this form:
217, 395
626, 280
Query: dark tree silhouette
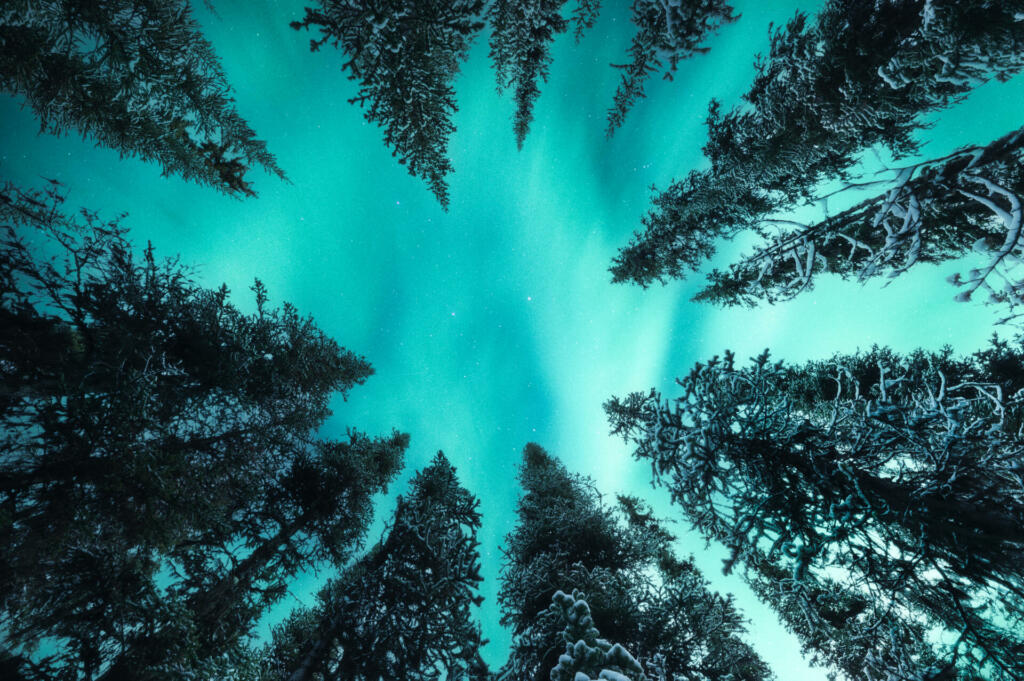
317, 511
405, 55
668, 31
567, 538
159, 474
521, 35
861, 75
929, 212
873, 498
137, 76
403, 611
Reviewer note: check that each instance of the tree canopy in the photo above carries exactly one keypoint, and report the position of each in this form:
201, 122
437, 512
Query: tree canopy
160, 474
929, 212
619, 565
872, 498
860, 75
404, 610
405, 55
136, 76
165, 470
521, 36
666, 33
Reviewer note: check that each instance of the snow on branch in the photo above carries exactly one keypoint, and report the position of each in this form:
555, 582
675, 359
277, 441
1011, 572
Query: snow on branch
931, 212
588, 657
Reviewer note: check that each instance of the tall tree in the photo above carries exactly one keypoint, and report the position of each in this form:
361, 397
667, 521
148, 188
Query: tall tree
880, 494
567, 538
402, 611
135, 75
929, 212
668, 31
405, 55
155, 438
316, 511
861, 75
521, 35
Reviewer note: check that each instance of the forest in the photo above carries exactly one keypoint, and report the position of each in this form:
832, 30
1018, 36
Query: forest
194, 487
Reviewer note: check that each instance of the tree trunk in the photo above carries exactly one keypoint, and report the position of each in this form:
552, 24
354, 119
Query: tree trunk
207, 607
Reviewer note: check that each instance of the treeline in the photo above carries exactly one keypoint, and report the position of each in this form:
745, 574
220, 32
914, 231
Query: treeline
874, 500
162, 479
858, 76
162, 482
139, 77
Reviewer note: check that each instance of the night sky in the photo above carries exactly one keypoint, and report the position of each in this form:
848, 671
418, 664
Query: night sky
496, 324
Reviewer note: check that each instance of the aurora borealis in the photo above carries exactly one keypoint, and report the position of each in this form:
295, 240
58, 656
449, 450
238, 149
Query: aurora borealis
496, 324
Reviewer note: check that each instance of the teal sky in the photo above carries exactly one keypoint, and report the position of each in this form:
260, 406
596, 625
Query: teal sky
495, 324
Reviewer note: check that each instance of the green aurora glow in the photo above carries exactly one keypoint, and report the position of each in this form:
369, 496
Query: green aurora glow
495, 324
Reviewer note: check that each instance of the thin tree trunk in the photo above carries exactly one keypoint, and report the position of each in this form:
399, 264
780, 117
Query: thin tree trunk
206, 607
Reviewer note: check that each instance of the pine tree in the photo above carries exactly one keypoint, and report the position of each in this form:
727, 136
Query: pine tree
588, 657
861, 75
930, 212
405, 55
873, 498
567, 538
317, 511
668, 31
402, 611
137, 76
157, 442
841, 630
521, 35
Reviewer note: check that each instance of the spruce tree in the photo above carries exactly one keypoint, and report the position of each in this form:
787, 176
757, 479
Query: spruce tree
402, 611
159, 473
136, 76
931, 211
405, 55
848, 634
568, 538
317, 511
861, 75
874, 499
666, 33
521, 35
588, 657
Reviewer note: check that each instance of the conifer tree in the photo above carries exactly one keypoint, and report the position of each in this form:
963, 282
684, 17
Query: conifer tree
872, 498
402, 611
668, 31
584, 16
405, 55
929, 212
317, 511
848, 634
861, 75
567, 538
587, 657
136, 76
521, 35
159, 473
